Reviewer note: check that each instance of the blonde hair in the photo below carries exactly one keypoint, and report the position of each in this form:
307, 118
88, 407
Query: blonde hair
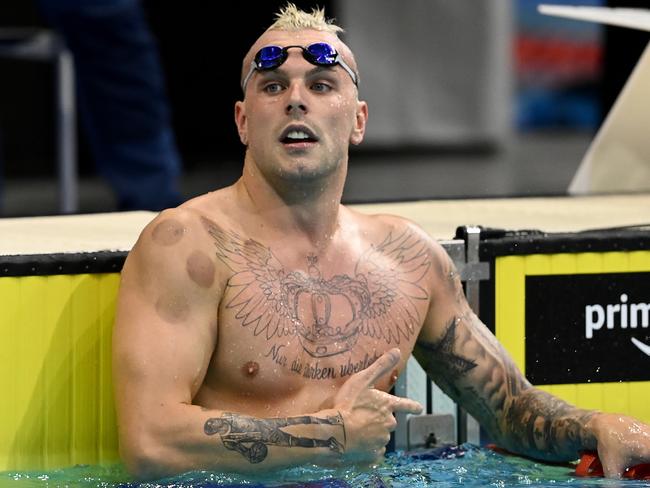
291, 18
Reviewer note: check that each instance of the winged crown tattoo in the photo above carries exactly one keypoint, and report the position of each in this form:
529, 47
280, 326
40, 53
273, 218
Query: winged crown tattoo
378, 301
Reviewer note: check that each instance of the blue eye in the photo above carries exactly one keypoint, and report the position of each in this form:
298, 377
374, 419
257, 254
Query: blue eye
321, 87
273, 87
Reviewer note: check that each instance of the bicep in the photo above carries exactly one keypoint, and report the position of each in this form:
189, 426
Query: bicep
164, 335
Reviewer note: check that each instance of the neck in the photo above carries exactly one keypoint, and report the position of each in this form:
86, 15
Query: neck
309, 208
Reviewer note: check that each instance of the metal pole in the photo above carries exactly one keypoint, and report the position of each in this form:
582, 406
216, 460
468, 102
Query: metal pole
66, 132
472, 294
472, 284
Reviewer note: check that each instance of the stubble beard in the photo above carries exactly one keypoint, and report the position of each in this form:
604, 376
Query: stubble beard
306, 168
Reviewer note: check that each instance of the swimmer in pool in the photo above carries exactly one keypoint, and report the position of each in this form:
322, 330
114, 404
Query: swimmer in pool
262, 325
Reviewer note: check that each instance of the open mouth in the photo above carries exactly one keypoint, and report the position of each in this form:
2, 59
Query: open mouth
298, 136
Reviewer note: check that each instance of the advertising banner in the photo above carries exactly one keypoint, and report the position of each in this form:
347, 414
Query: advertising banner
586, 328
578, 323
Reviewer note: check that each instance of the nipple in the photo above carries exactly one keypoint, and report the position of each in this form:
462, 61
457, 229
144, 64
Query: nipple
393, 377
250, 368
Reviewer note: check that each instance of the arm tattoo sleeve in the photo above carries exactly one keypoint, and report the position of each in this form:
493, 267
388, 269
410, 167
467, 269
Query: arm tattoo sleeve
251, 436
546, 427
470, 365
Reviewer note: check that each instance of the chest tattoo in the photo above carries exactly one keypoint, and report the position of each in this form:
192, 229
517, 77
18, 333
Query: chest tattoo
380, 299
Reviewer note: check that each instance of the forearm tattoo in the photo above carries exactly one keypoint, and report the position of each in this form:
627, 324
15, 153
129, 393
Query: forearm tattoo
549, 427
472, 368
251, 436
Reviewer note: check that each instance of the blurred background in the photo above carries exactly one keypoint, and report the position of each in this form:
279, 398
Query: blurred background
467, 98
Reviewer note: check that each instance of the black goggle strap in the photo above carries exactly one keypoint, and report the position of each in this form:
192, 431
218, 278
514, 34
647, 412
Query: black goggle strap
271, 63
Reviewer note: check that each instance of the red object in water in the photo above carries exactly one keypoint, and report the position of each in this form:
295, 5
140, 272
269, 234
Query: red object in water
590, 465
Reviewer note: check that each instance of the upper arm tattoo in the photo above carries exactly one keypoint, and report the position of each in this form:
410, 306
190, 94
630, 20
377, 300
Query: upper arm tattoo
380, 299
469, 372
441, 356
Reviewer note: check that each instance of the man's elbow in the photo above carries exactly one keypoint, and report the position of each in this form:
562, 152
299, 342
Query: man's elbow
143, 459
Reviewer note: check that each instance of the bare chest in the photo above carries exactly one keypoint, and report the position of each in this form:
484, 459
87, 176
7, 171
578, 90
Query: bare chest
299, 339
291, 334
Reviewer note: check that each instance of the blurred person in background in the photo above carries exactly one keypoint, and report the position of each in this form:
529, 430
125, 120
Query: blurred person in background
122, 99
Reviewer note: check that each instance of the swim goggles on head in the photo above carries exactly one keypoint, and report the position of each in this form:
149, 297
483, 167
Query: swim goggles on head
318, 53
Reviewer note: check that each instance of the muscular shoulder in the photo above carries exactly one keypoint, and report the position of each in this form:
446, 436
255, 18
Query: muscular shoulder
174, 251
405, 240
384, 225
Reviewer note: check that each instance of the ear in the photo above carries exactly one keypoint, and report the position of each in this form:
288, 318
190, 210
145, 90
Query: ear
360, 123
241, 121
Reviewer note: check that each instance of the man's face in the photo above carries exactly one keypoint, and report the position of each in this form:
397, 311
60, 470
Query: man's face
299, 119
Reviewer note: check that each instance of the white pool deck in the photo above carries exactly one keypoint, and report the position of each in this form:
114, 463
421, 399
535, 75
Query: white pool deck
440, 218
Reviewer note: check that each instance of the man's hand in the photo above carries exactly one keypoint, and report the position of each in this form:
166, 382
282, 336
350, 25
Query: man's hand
368, 413
623, 442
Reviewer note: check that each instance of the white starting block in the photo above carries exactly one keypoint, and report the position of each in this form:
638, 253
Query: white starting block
618, 159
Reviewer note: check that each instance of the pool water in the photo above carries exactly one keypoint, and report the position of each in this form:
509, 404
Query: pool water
467, 466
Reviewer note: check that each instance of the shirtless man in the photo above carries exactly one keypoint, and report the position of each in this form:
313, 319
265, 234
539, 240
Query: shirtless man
262, 325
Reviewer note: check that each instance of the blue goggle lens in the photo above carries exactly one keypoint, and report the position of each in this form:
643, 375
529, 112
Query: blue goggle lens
322, 53
270, 57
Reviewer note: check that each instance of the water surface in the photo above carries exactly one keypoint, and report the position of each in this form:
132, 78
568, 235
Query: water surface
469, 467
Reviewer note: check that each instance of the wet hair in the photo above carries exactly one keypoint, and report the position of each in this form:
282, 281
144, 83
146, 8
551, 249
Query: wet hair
291, 18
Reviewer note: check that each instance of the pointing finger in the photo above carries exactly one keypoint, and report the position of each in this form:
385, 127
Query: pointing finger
385, 363
406, 405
